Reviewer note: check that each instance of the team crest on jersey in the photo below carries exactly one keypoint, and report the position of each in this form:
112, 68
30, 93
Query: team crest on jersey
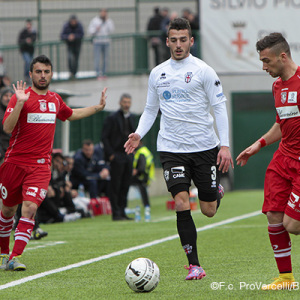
283, 97
43, 194
188, 77
43, 105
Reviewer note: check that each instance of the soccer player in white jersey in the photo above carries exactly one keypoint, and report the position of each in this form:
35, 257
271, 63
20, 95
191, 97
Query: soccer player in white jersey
25, 174
185, 89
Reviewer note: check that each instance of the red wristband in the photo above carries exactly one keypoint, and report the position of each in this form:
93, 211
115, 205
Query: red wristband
262, 142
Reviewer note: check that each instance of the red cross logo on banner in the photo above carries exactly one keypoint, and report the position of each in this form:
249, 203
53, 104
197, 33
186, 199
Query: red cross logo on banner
240, 42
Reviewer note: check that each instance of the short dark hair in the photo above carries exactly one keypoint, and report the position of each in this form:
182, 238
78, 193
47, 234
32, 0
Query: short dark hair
125, 95
180, 24
274, 41
43, 59
87, 142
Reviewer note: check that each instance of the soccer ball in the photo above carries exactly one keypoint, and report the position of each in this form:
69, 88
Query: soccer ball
142, 275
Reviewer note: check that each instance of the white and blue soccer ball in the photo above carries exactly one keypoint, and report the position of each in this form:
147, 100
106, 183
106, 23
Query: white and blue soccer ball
142, 275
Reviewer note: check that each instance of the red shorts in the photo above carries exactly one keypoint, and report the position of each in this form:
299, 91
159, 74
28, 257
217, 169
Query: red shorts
282, 186
23, 183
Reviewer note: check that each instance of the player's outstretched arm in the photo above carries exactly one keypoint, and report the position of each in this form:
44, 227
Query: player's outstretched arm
12, 119
80, 113
272, 136
132, 142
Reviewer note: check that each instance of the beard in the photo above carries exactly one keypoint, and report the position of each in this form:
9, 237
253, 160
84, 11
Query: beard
38, 86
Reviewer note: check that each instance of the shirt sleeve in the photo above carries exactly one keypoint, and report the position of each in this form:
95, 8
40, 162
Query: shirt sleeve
151, 109
213, 87
10, 107
221, 118
64, 111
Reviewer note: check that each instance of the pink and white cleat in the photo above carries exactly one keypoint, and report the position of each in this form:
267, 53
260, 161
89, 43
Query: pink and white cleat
195, 272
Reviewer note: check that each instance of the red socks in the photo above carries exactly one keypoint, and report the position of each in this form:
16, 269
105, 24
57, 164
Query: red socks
281, 244
22, 236
6, 225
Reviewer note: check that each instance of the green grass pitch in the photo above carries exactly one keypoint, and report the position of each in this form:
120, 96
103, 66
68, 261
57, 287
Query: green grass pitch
87, 259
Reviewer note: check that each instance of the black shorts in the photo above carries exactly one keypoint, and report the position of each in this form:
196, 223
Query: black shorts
201, 167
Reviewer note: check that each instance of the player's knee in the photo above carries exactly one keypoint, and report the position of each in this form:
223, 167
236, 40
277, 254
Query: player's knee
292, 228
209, 209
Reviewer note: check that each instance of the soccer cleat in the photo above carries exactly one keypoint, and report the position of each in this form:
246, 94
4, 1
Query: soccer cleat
195, 272
15, 265
3, 260
285, 281
38, 234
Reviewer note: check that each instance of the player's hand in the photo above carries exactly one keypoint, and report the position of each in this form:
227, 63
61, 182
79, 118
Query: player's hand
224, 159
20, 92
132, 142
245, 155
103, 99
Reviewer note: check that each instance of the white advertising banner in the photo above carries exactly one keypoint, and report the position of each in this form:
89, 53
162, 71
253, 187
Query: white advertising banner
231, 28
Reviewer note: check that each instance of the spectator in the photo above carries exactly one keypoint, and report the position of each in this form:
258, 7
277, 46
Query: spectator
164, 28
195, 26
58, 205
26, 40
142, 174
4, 81
153, 28
72, 33
90, 169
5, 95
116, 129
100, 28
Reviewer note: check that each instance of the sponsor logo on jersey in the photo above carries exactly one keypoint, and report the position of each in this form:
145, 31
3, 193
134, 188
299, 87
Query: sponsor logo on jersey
43, 105
167, 175
31, 191
188, 77
292, 97
283, 97
217, 83
41, 161
10, 109
219, 95
167, 95
178, 172
52, 106
287, 112
163, 84
41, 118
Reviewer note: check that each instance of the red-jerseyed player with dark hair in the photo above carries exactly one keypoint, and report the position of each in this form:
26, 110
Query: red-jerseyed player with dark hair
282, 180
25, 174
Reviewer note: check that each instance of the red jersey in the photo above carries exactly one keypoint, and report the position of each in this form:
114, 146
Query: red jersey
31, 142
287, 101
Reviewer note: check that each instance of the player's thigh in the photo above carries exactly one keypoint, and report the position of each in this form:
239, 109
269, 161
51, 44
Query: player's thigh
177, 171
11, 182
35, 184
205, 174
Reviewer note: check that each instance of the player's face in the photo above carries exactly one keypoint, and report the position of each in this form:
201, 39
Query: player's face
41, 76
272, 63
179, 43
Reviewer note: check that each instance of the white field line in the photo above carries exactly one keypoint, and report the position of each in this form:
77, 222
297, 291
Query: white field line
49, 244
124, 251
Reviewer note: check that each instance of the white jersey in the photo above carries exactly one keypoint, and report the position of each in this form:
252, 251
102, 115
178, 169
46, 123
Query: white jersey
185, 91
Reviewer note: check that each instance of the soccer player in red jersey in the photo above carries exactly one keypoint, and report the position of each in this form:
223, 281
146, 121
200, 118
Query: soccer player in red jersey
25, 174
282, 179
